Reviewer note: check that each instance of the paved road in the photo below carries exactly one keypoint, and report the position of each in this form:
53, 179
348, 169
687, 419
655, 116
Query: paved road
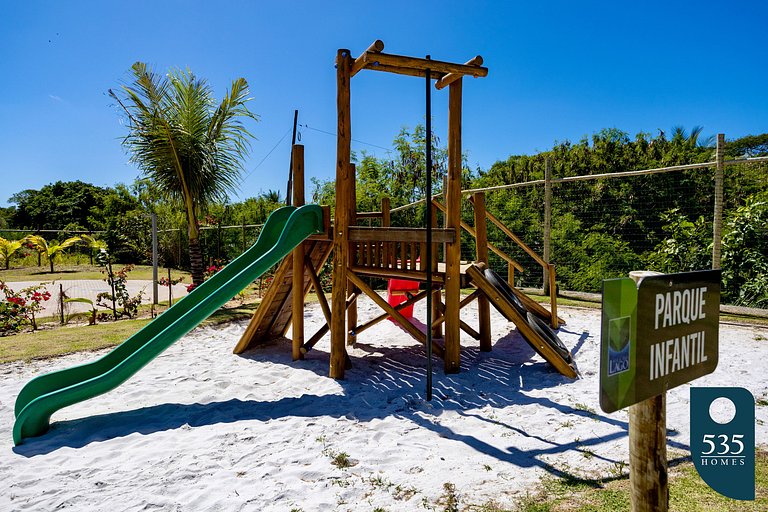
89, 288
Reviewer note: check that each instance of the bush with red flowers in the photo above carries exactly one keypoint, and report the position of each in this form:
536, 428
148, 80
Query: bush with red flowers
19, 308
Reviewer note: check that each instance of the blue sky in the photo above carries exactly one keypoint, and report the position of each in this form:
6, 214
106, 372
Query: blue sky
557, 71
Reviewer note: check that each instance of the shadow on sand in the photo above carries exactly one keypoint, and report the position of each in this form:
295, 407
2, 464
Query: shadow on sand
385, 381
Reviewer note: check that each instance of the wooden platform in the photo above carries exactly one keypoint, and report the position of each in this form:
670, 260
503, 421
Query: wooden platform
273, 317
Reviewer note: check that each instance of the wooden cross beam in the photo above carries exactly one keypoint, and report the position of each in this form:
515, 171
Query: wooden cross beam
444, 72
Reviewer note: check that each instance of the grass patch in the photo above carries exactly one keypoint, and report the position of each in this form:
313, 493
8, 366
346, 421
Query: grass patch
55, 342
47, 343
687, 493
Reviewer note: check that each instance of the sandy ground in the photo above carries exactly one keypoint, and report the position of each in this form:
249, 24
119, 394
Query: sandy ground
202, 429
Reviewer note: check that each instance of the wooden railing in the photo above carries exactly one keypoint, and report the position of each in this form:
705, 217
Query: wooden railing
394, 251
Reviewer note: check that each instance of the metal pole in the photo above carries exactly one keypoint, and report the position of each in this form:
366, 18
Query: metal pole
289, 191
154, 258
717, 221
428, 257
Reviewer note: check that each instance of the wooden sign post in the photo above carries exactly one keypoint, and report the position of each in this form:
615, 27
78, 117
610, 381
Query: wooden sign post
648, 470
658, 332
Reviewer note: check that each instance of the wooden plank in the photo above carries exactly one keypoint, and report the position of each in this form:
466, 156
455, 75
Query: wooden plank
408, 326
341, 214
398, 234
481, 245
452, 77
417, 64
533, 339
396, 273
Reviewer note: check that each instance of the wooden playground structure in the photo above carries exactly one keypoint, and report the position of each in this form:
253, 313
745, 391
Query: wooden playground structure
388, 251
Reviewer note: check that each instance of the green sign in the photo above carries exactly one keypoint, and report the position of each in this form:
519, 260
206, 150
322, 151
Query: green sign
658, 335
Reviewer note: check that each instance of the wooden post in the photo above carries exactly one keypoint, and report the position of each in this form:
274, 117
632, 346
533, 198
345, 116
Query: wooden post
437, 294
649, 486
717, 221
510, 274
341, 215
453, 221
297, 306
547, 221
481, 244
243, 233
61, 303
170, 288
352, 308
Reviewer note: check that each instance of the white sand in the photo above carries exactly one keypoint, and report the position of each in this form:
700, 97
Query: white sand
202, 429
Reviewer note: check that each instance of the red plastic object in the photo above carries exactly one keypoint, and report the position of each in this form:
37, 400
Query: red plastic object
397, 290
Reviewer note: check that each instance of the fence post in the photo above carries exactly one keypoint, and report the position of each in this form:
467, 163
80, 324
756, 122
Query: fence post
717, 221
243, 232
154, 258
547, 220
61, 303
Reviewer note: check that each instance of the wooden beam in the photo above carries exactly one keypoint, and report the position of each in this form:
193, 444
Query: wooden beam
341, 215
376, 47
368, 215
481, 245
464, 326
408, 326
297, 305
452, 77
403, 62
452, 357
399, 234
516, 239
370, 323
469, 298
318, 290
388, 273
403, 71
553, 296
311, 342
352, 307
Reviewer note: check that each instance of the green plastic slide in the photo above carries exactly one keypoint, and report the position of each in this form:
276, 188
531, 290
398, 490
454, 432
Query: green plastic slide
42, 396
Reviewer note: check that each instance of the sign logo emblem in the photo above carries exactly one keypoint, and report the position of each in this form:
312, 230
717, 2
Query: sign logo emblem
723, 440
618, 344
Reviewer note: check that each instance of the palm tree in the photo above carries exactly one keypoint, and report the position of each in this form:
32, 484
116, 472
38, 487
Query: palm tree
52, 250
191, 148
92, 244
8, 248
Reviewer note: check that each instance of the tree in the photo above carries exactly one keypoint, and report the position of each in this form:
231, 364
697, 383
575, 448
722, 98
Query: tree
188, 146
52, 250
7, 249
